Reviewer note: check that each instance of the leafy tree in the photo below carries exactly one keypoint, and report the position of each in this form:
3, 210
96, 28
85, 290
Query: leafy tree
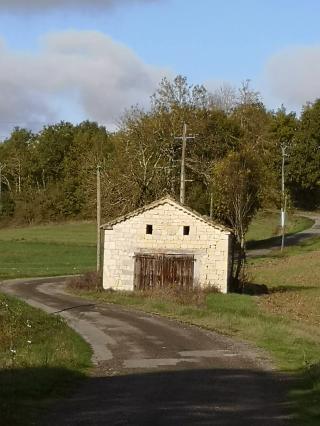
239, 186
281, 132
304, 158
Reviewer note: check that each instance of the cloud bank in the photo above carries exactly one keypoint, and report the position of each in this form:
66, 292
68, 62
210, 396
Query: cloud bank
82, 72
293, 75
43, 5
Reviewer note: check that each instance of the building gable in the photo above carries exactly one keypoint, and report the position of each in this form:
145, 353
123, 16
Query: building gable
163, 206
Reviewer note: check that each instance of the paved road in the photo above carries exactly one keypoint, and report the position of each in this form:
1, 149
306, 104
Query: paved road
292, 239
154, 371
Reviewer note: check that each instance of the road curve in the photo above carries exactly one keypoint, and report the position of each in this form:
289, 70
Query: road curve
292, 239
155, 371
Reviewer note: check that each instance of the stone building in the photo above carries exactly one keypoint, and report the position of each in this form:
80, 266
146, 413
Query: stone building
165, 243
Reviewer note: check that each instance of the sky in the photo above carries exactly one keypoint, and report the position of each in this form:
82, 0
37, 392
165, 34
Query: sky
77, 59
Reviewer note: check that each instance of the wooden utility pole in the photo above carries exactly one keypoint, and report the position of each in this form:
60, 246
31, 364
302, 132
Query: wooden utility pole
98, 218
283, 197
184, 139
1, 168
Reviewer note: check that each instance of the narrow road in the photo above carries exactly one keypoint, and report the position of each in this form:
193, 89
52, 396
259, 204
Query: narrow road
293, 239
155, 371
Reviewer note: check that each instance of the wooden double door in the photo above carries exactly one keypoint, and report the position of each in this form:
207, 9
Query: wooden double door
163, 270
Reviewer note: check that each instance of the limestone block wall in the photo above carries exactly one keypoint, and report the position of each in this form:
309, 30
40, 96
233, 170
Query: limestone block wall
209, 245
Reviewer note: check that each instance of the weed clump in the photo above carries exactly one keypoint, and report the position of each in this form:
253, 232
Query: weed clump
90, 281
185, 297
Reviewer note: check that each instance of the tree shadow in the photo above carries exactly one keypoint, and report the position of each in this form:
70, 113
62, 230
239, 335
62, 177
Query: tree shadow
290, 288
223, 397
25, 392
275, 242
255, 289
220, 397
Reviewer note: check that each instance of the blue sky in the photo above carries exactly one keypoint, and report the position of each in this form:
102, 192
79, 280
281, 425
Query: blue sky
274, 43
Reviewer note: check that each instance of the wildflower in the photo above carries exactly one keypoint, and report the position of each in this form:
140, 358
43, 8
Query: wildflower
13, 351
29, 341
28, 324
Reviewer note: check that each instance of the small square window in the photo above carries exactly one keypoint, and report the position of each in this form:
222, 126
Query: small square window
186, 230
149, 229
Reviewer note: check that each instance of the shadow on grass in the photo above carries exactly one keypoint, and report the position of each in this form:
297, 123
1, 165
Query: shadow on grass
275, 242
306, 396
290, 288
222, 397
25, 392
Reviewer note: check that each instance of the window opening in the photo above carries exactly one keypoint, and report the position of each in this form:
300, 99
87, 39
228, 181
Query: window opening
149, 229
186, 230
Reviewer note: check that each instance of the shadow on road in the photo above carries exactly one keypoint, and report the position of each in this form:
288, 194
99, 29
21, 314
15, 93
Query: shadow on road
185, 397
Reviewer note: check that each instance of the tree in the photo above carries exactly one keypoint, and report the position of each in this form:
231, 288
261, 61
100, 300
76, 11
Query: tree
239, 186
179, 94
304, 158
224, 98
280, 133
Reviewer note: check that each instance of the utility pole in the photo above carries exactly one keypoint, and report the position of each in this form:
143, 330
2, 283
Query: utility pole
98, 218
184, 139
283, 196
1, 168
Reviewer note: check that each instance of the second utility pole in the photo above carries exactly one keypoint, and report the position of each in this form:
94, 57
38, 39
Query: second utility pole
184, 139
283, 197
98, 219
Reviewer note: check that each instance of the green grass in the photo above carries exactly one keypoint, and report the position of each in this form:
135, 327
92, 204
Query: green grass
265, 226
47, 250
81, 233
41, 359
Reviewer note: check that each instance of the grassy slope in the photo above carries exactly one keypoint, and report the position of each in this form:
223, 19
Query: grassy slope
40, 371
294, 281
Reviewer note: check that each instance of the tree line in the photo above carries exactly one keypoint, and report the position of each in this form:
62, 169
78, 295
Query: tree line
233, 164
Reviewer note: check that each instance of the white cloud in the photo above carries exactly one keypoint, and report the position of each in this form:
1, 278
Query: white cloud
292, 75
81, 70
42, 5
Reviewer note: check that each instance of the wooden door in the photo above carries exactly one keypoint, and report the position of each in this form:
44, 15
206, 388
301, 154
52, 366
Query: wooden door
163, 270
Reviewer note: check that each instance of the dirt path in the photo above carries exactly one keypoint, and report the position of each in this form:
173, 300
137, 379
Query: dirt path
293, 239
154, 371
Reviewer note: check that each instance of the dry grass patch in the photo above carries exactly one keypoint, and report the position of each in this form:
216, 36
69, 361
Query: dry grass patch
295, 286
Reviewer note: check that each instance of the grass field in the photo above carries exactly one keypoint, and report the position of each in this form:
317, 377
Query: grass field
41, 359
47, 250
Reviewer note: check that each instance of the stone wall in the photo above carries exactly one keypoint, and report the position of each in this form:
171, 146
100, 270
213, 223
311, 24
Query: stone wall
209, 245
